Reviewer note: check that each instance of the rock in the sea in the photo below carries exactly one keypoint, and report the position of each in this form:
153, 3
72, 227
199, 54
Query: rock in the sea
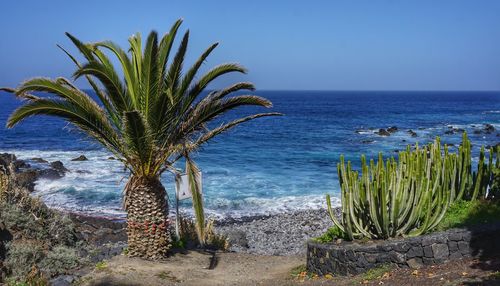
50, 174
412, 133
80, 158
56, 171
488, 128
367, 141
383, 132
392, 129
453, 130
58, 166
111, 158
39, 160
477, 131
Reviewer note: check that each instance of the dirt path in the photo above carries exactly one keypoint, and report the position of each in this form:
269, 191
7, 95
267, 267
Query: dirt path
192, 269
249, 269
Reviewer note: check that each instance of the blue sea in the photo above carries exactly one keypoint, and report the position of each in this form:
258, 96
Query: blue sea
269, 165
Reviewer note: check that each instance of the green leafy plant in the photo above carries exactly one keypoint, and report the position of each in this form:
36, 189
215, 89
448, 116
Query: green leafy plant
101, 265
410, 196
331, 235
22, 256
149, 119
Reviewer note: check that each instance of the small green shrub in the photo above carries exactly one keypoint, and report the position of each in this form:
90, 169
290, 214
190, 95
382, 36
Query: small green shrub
30, 219
101, 265
44, 242
22, 256
331, 235
464, 213
59, 260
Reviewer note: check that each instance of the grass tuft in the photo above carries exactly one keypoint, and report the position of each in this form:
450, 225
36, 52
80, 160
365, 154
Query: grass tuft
466, 213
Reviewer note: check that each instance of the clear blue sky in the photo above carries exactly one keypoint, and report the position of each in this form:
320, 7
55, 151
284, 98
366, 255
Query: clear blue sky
312, 45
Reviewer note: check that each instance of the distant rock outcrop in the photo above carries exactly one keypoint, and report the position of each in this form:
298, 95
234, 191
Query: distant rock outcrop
80, 158
383, 132
412, 133
25, 175
392, 129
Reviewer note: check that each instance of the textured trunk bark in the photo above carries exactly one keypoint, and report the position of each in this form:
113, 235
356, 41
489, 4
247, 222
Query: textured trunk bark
147, 218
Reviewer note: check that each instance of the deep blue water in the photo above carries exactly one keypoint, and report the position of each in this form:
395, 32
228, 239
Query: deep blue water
270, 164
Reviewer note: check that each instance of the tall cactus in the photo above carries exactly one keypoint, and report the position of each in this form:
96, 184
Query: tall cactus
409, 196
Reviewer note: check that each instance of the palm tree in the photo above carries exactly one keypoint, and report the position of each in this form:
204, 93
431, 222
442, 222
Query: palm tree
154, 116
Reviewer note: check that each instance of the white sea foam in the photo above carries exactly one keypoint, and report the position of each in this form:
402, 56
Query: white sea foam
95, 187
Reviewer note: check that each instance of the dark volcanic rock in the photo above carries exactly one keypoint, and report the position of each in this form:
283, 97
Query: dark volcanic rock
453, 130
63, 280
39, 160
80, 158
412, 133
383, 132
488, 128
27, 179
58, 166
50, 174
367, 141
99, 231
392, 129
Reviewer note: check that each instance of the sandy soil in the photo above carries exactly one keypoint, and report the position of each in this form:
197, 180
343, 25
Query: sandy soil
193, 269
248, 269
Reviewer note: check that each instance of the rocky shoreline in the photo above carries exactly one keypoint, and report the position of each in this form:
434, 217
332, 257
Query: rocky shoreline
279, 234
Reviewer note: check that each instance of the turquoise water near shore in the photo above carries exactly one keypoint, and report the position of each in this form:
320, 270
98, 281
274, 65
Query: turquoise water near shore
271, 164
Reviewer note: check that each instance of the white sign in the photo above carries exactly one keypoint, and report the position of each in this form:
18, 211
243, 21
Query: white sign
182, 186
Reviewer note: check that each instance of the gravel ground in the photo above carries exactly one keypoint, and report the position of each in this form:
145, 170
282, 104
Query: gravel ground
281, 234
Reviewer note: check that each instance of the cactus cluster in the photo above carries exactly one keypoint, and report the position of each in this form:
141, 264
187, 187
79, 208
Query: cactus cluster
409, 196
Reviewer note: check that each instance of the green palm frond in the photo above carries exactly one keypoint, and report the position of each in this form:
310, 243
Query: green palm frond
103, 97
149, 73
194, 181
207, 78
110, 80
139, 142
89, 119
127, 68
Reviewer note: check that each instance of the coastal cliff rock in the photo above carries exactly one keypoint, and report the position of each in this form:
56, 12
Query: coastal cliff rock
25, 175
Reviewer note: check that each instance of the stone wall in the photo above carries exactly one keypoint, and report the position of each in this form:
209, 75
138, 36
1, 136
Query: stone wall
347, 258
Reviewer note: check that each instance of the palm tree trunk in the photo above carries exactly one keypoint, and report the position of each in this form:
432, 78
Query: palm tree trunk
147, 218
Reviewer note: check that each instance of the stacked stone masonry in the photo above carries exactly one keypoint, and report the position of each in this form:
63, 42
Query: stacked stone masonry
348, 258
